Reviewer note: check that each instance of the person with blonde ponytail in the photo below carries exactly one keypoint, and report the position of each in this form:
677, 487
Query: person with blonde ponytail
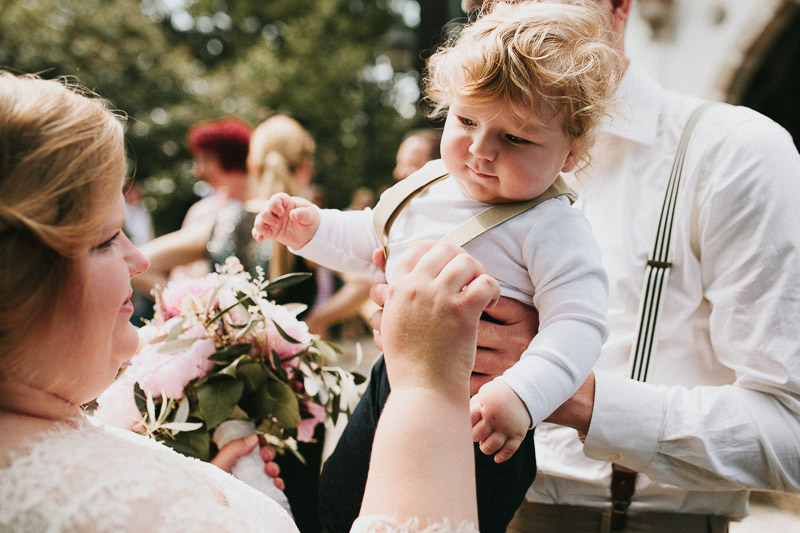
280, 159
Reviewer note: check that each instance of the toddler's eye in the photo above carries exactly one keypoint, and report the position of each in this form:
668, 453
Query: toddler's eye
467, 122
516, 140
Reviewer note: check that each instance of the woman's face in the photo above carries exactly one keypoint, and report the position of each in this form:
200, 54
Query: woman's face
94, 330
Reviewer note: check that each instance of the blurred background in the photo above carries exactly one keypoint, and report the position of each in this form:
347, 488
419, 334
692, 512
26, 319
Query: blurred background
348, 70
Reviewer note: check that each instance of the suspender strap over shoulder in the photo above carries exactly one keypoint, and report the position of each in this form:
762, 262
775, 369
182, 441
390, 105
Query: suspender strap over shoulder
659, 263
395, 199
660, 260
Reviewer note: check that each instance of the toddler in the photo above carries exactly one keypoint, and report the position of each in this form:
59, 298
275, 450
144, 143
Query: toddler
524, 88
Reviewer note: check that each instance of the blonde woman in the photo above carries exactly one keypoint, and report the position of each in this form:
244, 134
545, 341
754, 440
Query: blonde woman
65, 274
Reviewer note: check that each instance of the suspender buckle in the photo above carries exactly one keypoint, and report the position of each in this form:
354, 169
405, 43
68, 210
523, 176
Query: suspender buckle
658, 264
623, 483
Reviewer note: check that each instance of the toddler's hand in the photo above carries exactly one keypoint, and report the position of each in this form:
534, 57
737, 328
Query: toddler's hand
500, 420
290, 220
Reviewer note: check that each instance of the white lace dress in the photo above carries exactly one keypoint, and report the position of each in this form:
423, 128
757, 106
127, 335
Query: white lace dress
90, 477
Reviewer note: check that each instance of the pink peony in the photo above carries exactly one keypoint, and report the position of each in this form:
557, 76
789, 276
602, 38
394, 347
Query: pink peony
305, 431
176, 291
156, 372
116, 405
296, 329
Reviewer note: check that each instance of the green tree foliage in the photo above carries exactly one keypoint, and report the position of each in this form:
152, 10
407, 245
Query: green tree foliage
169, 64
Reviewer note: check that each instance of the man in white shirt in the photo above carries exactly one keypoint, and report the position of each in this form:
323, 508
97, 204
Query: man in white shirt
719, 413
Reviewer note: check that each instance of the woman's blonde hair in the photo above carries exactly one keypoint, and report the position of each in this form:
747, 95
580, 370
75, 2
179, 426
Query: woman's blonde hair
61, 159
534, 58
279, 147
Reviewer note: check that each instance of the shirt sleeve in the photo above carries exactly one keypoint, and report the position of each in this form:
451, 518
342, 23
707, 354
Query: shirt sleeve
747, 238
344, 242
571, 296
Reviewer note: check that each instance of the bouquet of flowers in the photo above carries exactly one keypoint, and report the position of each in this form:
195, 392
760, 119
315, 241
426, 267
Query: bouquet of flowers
217, 350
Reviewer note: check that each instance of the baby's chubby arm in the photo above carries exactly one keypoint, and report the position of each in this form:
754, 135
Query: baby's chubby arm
290, 220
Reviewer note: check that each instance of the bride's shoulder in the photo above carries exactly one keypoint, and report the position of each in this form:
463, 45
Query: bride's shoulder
112, 478
17, 431
387, 524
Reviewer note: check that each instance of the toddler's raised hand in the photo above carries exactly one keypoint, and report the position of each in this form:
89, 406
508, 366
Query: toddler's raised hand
290, 220
500, 420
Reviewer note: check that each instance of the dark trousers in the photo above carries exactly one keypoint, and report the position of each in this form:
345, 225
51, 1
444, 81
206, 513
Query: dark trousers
302, 481
501, 487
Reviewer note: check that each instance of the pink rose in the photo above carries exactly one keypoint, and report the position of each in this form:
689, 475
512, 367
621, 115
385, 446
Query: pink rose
305, 431
156, 372
116, 405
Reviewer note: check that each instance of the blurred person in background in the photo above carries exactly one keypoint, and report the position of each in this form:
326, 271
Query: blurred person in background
280, 159
418, 147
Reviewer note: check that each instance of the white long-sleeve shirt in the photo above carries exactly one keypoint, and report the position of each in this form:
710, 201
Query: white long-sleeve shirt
721, 409
545, 257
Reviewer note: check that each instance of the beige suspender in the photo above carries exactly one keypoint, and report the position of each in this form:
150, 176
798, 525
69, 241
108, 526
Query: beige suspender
395, 199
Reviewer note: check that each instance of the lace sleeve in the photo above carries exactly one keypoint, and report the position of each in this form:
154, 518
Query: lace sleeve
387, 524
89, 477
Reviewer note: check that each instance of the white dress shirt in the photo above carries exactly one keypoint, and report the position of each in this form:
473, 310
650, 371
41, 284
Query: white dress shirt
545, 257
721, 409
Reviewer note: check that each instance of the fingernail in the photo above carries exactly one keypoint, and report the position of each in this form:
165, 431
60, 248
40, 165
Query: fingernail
251, 440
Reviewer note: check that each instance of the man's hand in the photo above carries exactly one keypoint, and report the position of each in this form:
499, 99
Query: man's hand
504, 333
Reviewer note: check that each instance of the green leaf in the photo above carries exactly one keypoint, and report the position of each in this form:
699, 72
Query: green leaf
182, 413
151, 407
253, 375
180, 447
217, 398
287, 280
177, 345
336, 409
275, 399
284, 334
177, 427
242, 298
277, 366
140, 398
175, 330
328, 352
198, 441
230, 352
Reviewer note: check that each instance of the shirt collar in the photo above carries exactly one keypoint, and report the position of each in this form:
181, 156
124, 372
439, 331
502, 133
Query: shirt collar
636, 116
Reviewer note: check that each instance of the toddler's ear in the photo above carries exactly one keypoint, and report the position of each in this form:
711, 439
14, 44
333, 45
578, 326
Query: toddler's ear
570, 162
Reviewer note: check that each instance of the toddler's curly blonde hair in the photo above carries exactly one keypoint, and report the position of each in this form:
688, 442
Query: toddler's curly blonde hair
536, 58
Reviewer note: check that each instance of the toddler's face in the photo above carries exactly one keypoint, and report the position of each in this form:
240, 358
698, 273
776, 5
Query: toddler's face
495, 157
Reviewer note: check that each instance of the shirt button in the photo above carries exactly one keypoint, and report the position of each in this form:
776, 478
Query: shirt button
613, 457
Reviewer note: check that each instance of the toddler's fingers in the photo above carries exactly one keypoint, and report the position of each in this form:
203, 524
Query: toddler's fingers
302, 215
507, 451
481, 431
492, 443
261, 230
474, 411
